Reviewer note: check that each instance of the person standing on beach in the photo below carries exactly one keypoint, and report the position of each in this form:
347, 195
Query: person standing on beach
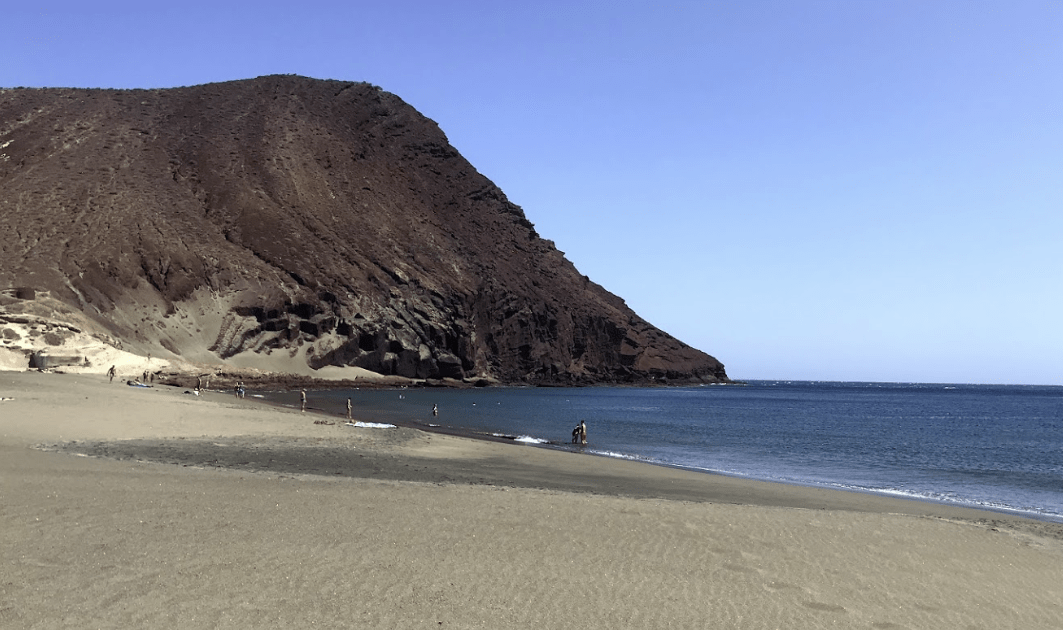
583, 432
302, 395
111, 373
348, 410
435, 410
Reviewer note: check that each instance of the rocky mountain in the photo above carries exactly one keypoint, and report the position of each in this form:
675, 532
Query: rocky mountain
287, 221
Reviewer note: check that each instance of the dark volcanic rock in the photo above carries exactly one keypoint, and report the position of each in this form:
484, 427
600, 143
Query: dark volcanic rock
325, 221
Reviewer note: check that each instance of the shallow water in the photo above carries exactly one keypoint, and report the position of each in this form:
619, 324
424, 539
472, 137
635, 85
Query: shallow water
997, 447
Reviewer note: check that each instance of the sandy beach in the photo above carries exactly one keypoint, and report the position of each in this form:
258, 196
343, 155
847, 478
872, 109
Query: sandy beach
127, 507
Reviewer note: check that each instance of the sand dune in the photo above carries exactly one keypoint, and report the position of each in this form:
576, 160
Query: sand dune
213, 512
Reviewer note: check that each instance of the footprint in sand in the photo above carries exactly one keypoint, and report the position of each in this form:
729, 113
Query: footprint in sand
824, 607
730, 566
779, 586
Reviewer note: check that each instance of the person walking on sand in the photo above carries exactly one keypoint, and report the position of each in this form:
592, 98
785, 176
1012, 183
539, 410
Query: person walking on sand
302, 396
111, 373
348, 410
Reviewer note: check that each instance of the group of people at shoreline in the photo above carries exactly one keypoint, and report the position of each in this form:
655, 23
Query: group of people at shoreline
579, 434
146, 377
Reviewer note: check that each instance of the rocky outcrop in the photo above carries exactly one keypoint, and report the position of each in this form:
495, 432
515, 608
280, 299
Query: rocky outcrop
321, 221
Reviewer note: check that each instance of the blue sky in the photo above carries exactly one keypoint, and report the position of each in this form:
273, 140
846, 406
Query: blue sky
821, 190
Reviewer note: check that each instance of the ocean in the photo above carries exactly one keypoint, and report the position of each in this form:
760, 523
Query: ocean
997, 447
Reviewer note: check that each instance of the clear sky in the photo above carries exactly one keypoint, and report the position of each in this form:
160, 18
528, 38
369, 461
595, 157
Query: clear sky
818, 190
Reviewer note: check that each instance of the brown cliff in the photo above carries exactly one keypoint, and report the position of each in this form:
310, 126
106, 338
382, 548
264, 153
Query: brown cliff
312, 221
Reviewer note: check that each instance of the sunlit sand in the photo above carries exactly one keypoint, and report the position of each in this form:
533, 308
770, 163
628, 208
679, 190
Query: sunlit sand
216, 512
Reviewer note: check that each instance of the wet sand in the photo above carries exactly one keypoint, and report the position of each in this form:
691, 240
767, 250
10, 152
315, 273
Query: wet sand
129, 507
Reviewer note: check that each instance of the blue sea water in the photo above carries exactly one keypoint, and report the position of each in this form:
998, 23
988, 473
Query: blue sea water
988, 446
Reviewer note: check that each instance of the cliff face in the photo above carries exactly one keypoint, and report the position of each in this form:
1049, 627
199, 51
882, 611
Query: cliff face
320, 221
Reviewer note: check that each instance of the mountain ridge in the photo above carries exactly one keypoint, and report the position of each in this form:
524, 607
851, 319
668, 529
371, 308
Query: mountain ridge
287, 219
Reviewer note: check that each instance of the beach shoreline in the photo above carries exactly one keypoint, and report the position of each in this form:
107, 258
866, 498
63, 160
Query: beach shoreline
536, 436
186, 510
611, 476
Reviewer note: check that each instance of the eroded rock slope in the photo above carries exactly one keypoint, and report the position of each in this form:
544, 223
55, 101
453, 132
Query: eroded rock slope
323, 222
